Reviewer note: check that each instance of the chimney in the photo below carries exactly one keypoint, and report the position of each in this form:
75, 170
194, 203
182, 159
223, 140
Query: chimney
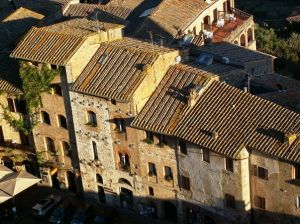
192, 97
215, 135
290, 137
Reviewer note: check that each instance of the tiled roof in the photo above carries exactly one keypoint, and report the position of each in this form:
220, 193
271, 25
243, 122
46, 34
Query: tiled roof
163, 110
16, 24
121, 70
130, 4
173, 15
240, 119
107, 13
233, 52
295, 16
47, 46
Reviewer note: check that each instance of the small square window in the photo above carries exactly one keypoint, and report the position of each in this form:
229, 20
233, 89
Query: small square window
114, 102
92, 118
297, 171
229, 164
151, 191
229, 201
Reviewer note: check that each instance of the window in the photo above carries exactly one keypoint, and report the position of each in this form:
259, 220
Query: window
56, 88
99, 178
162, 140
297, 171
260, 172
114, 102
182, 147
24, 138
152, 169
151, 191
20, 106
120, 124
11, 105
45, 118
206, 157
185, 183
229, 201
66, 148
62, 121
50, 144
92, 119
95, 150
168, 173
149, 136
298, 201
54, 67
229, 164
259, 202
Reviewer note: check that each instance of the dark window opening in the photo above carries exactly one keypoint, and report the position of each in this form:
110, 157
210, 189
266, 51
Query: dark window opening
11, 105
45, 118
66, 148
259, 202
21, 106
114, 102
57, 89
92, 119
62, 121
162, 140
229, 164
95, 150
297, 171
24, 138
229, 201
151, 191
152, 169
260, 172
120, 124
50, 145
168, 173
149, 136
182, 147
185, 183
206, 157
124, 162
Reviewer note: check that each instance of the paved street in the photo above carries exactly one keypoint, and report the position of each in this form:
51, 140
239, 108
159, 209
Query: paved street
25, 200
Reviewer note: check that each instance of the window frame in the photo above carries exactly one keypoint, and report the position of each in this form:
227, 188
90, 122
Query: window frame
150, 191
50, 144
206, 155
91, 118
182, 147
260, 202
296, 171
152, 169
63, 144
45, 119
229, 164
185, 183
229, 201
168, 175
61, 124
95, 151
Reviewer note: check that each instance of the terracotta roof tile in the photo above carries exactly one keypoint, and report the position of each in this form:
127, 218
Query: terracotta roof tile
171, 15
239, 118
121, 69
47, 46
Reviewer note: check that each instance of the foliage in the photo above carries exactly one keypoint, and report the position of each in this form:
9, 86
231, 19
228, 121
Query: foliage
35, 81
40, 158
148, 141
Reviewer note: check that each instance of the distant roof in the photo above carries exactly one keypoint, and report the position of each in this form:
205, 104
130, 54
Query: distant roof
9, 75
107, 13
45, 7
170, 16
130, 4
233, 52
117, 68
281, 90
295, 16
57, 43
240, 119
16, 24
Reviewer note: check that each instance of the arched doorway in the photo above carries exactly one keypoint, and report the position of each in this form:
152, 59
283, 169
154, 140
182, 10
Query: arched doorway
243, 40
250, 35
126, 198
71, 182
170, 211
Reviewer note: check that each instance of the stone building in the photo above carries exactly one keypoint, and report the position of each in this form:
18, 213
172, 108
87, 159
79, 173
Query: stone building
66, 47
110, 91
225, 171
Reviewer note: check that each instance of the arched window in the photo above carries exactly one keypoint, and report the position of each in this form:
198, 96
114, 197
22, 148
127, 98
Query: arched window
99, 178
243, 40
250, 35
95, 152
62, 121
45, 118
50, 144
124, 181
66, 148
91, 118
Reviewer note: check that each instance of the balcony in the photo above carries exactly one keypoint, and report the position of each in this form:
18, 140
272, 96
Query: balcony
234, 24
